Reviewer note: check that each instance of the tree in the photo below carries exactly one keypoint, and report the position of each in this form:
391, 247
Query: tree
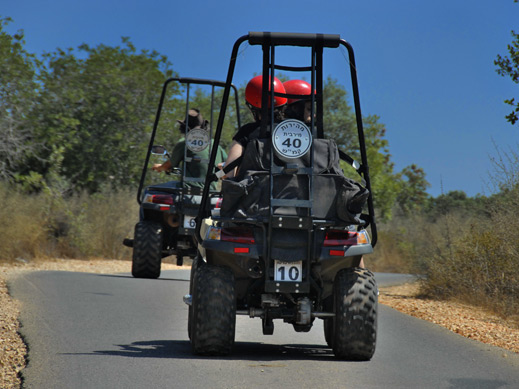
98, 105
413, 196
458, 202
17, 96
341, 125
509, 66
338, 118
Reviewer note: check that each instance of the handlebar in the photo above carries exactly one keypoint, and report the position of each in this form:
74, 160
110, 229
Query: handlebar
294, 39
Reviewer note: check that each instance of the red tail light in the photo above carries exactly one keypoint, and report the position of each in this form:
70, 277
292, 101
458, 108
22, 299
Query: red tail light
340, 238
238, 235
218, 203
162, 199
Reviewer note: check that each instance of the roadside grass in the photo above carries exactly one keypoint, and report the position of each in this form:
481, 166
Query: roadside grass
45, 225
479, 264
22, 225
99, 223
459, 256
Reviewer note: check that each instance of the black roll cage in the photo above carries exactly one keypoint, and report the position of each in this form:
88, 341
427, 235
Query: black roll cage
188, 81
268, 41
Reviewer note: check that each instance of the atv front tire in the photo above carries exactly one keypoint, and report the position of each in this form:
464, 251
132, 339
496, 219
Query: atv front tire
355, 308
147, 249
214, 311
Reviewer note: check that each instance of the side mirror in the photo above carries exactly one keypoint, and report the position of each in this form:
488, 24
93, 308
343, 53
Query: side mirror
159, 150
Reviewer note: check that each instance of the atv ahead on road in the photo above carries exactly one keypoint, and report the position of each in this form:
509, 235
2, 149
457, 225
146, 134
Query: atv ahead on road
167, 210
286, 242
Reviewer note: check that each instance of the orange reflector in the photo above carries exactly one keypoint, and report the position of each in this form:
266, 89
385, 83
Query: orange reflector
241, 249
337, 253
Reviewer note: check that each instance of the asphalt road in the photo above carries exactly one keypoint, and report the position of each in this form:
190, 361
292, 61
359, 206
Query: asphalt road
113, 331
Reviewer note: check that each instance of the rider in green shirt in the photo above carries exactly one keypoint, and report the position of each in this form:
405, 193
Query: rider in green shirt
194, 168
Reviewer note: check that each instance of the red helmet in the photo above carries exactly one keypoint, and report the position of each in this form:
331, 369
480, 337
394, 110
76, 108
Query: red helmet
297, 87
253, 92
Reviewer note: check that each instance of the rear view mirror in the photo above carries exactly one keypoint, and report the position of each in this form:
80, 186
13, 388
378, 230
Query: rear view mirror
158, 150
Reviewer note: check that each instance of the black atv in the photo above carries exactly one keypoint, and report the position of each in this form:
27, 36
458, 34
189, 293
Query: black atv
167, 210
285, 243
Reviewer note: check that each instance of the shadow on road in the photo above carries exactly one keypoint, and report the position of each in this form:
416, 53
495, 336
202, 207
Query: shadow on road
141, 279
181, 349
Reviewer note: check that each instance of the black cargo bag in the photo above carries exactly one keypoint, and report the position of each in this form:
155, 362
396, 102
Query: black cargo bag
248, 194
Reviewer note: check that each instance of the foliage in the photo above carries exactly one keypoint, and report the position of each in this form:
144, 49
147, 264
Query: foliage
456, 202
509, 66
98, 223
339, 118
340, 124
17, 94
45, 224
412, 195
478, 264
209, 105
100, 110
465, 248
22, 227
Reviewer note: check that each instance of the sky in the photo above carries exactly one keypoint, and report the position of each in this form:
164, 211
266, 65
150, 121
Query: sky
425, 68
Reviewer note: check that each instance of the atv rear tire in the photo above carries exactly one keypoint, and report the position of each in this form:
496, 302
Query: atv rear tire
194, 266
328, 331
328, 322
147, 250
355, 308
214, 311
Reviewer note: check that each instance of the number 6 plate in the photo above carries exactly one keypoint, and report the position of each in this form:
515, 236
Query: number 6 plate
288, 271
189, 222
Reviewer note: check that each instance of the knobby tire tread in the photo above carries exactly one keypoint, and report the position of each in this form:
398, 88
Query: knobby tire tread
356, 308
214, 311
147, 250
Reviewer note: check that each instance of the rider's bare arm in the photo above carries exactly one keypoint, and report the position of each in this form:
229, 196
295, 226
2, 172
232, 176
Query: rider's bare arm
158, 167
235, 152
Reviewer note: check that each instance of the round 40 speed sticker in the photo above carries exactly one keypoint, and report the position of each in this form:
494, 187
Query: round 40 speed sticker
292, 138
197, 140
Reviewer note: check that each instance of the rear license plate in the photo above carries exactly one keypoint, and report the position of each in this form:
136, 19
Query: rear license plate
189, 222
288, 271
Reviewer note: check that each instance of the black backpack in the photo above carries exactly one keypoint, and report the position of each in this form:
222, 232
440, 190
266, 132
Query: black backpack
335, 197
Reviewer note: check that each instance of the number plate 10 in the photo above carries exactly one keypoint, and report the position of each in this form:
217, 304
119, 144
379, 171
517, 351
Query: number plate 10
288, 271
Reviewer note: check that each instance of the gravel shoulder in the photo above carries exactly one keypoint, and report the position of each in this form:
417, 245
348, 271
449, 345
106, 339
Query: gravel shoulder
462, 319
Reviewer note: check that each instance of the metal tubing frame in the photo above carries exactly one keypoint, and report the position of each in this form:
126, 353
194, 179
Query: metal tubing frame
181, 80
303, 40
